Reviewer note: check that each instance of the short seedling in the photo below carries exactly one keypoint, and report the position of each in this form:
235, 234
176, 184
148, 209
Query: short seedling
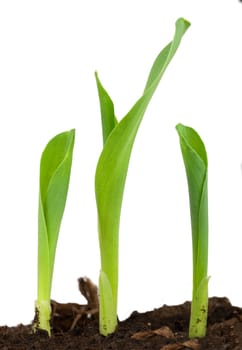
111, 172
195, 161
55, 168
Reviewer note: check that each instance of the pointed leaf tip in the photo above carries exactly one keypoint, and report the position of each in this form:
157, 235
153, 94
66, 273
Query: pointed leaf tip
109, 120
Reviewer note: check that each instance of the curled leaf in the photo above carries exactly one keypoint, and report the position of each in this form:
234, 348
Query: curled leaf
196, 163
55, 168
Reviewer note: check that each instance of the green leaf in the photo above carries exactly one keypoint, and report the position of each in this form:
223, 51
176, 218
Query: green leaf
55, 168
195, 161
112, 170
109, 120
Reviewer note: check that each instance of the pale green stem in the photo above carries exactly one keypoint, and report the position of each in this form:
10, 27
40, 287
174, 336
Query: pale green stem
43, 313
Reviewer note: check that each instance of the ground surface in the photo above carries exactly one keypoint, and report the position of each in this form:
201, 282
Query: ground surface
165, 328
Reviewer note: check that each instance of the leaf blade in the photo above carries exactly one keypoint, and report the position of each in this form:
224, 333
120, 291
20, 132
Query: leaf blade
109, 120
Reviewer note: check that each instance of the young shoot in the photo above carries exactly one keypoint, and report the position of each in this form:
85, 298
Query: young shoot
55, 168
111, 172
195, 161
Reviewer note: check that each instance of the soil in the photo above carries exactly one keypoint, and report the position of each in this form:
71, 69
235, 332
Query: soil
75, 327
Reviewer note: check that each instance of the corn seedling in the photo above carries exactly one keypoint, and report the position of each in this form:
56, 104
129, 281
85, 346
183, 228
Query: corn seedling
111, 172
55, 168
195, 161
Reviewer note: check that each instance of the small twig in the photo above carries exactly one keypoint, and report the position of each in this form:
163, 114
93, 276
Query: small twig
89, 290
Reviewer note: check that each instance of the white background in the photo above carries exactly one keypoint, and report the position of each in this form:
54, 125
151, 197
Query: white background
49, 51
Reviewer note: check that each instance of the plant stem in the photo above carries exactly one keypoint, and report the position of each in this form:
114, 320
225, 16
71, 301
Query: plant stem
43, 313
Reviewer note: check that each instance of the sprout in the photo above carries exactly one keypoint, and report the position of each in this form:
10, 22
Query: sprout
111, 172
55, 168
195, 161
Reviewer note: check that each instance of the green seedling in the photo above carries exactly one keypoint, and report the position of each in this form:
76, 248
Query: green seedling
55, 168
111, 172
195, 161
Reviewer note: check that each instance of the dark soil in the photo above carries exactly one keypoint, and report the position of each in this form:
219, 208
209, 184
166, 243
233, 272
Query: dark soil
75, 327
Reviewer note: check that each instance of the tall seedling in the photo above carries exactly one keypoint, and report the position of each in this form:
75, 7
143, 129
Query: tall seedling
112, 167
55, 168
195, 161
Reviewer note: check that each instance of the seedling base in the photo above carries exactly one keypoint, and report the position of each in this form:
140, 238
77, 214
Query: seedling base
76, 327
